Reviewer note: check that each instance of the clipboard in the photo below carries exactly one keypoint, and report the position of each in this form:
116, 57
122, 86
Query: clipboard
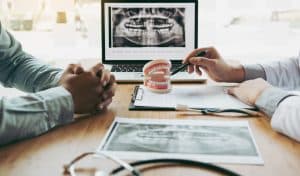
136, 96
241, 108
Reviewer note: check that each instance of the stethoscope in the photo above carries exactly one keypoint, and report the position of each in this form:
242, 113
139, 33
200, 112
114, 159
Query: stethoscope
132, 167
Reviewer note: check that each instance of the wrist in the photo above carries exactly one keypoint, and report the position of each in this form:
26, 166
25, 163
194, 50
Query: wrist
260, 90
237, 73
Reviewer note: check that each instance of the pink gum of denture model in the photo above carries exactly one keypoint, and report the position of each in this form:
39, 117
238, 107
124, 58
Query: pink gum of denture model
157, 75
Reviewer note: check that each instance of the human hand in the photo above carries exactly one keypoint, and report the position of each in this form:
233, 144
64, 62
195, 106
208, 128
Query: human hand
108, 81
249, 91
214, 65
86, 88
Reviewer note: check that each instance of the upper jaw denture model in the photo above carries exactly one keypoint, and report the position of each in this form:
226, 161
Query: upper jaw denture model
157, 75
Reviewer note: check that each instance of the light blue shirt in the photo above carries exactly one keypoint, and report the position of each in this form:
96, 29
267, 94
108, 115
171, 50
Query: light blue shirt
48, 105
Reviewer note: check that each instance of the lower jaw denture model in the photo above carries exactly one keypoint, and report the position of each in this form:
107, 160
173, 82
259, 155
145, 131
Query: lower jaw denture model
157, 75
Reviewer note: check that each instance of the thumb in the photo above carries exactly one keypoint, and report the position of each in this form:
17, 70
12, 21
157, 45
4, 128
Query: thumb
97, 69
202, 61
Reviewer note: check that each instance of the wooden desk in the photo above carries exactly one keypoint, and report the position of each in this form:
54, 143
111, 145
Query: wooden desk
46, 154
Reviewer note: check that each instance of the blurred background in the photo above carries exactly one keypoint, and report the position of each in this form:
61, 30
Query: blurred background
64, 31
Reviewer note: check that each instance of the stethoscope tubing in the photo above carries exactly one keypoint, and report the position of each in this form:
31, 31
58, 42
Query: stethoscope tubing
186, 162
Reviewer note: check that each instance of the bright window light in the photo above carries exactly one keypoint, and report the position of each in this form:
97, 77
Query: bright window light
64, 31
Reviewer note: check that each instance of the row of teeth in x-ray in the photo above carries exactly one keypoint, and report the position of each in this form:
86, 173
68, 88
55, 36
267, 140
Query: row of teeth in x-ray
145, 31
136, 24
174, 135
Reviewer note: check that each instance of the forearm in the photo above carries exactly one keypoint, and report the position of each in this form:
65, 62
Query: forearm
34, 114
21, 70
283, 107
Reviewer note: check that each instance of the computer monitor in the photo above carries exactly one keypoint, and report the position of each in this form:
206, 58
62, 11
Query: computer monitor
136, 31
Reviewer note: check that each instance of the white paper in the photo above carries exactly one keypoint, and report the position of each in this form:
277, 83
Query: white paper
202, 140
194, 96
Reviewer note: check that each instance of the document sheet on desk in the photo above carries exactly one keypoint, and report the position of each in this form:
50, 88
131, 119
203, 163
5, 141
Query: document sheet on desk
194, 96
203, 140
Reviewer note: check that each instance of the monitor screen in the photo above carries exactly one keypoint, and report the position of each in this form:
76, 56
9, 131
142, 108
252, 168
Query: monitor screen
142, 31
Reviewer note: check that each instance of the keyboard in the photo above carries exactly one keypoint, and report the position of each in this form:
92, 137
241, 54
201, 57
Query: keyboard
135, 67
127, 68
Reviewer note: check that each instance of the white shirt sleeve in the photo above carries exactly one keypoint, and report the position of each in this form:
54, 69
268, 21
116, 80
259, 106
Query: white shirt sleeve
281, 105
286, 118
284, 74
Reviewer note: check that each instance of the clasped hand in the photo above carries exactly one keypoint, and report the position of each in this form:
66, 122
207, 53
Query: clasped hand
91, 90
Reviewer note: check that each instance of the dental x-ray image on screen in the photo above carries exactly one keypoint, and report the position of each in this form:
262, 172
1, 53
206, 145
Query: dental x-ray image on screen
148, 27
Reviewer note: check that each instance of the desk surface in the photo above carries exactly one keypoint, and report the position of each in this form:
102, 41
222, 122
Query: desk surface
46, 154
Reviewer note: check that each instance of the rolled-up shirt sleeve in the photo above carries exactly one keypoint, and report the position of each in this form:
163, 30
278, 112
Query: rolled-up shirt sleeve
34, 114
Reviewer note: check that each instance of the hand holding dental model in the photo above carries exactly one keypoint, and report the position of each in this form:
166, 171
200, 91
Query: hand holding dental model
157, 75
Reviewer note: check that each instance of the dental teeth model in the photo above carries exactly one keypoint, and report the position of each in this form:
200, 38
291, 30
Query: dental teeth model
157, 75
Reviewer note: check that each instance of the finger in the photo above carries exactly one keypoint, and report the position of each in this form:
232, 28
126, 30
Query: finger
78, 69
105, 104
195, 52
198, 71
111, 82
97, 70
105, 77
190, 68
100, 90
202, 61
71, 68
110, 92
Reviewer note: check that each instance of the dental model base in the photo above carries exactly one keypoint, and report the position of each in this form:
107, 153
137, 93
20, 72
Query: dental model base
157, 75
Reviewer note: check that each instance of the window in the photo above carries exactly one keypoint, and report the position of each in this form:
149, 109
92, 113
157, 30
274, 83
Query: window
64, 31
57, 31
252, 30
